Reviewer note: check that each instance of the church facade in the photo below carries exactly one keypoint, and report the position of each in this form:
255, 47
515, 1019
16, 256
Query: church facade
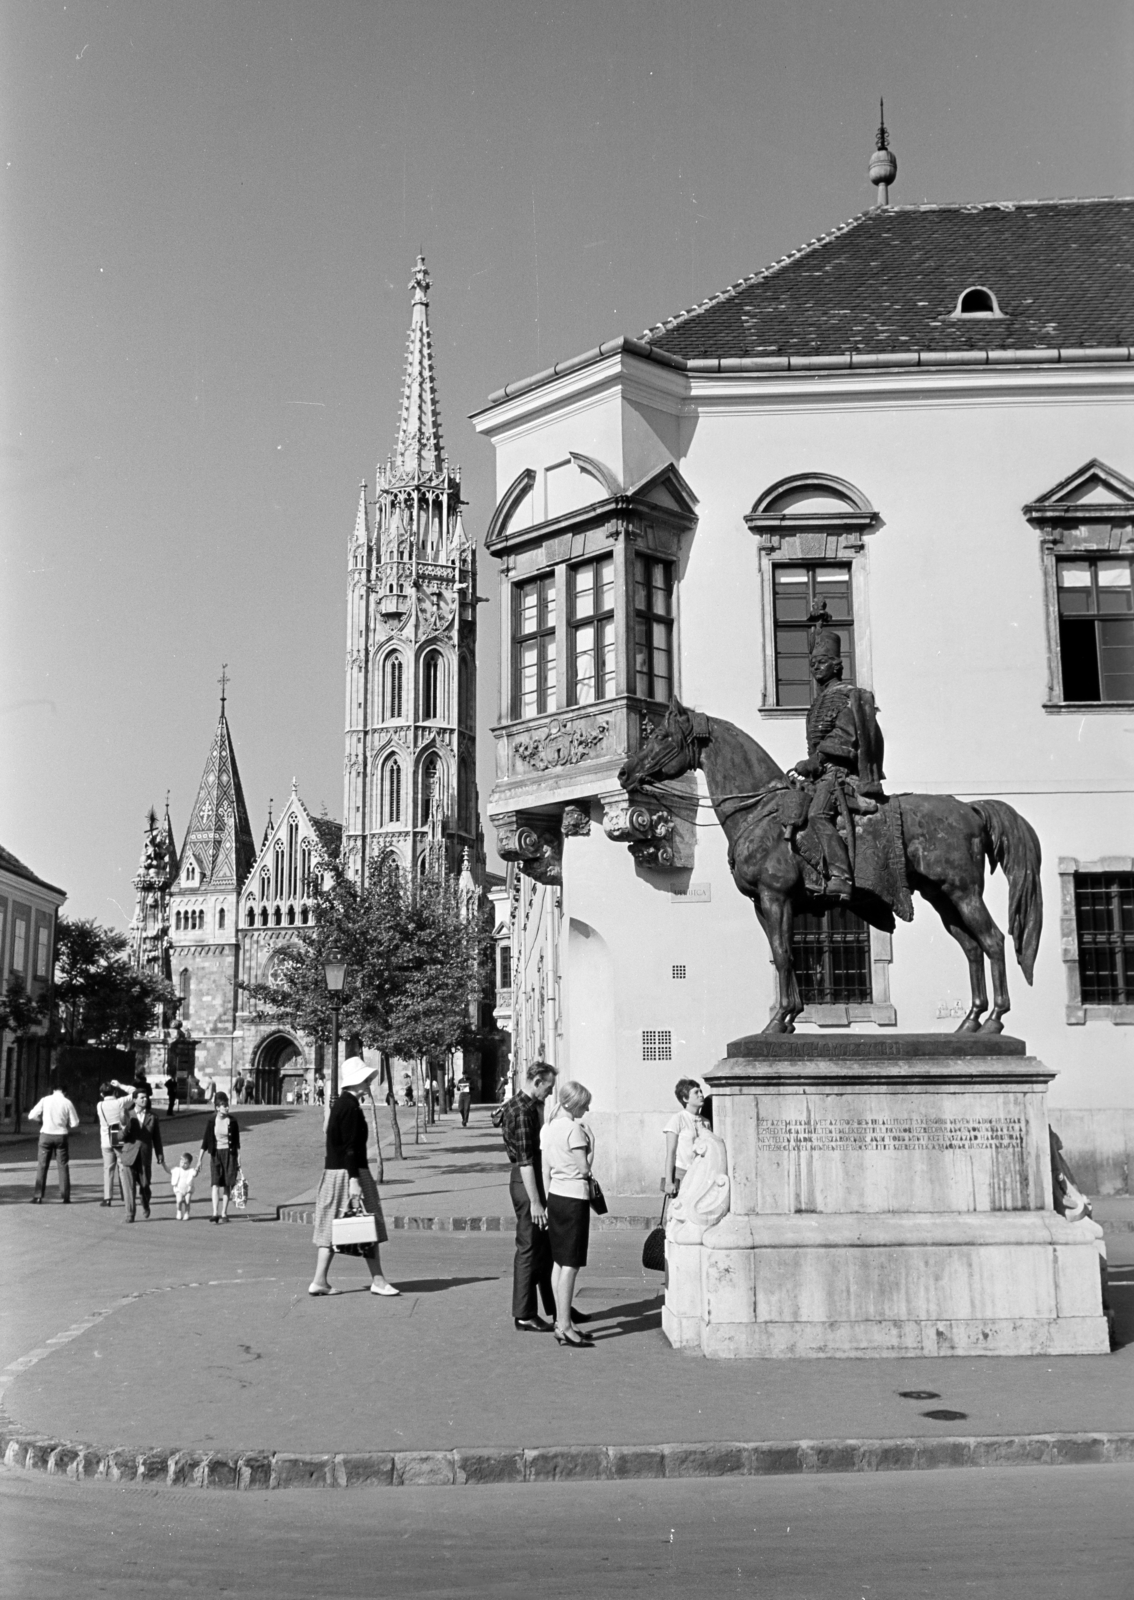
216, 915
920, 425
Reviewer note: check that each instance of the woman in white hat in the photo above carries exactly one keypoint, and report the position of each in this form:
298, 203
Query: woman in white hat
346, 1175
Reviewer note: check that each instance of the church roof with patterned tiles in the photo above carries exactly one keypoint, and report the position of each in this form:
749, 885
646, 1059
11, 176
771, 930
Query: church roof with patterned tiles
889, 279
219, 835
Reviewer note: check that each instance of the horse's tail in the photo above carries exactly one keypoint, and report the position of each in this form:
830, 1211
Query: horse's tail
1010, 843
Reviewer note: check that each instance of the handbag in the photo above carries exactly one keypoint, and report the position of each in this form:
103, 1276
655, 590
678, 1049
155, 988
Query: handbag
653, 1251
355, 1233
597, 1198
240, 1190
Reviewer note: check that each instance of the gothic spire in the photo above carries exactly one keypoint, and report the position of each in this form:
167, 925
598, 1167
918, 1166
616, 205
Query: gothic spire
418, 452
219, 836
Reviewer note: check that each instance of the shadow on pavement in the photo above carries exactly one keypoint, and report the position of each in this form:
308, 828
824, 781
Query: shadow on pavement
641, 1316
436, 1285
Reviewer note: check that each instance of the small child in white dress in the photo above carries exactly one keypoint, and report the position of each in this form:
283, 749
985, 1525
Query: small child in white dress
182, 1177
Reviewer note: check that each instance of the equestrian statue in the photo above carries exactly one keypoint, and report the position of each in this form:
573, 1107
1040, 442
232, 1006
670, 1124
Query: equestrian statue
826, 833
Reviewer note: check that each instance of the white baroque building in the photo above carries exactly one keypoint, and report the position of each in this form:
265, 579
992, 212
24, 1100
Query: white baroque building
923, 417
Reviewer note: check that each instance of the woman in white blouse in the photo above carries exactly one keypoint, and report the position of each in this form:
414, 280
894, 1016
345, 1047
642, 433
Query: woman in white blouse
568, 1150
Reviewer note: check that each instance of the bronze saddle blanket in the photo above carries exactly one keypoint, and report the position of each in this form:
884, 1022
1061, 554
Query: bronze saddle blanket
879, 848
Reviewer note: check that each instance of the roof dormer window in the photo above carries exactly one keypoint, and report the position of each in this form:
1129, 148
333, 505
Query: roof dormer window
977, 301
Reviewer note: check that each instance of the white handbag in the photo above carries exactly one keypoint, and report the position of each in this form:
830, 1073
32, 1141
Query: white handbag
357, 1228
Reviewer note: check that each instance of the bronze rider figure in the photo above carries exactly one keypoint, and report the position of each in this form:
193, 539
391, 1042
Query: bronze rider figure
844, 757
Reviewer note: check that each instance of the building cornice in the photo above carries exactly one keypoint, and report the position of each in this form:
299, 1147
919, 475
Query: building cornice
599, 366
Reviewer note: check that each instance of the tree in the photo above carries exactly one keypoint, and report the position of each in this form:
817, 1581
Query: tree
415, 962
20, 1011
101, 996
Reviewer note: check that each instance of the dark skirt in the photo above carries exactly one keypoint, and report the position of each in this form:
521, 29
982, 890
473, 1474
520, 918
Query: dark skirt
224, 1168
569, 1229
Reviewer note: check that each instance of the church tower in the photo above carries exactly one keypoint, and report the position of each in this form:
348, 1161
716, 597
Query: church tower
410, 778
216, 858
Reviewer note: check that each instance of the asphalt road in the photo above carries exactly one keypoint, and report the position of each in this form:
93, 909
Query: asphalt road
1008, 1534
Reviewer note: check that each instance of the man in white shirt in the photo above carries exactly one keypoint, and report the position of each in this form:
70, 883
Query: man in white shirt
56, 1116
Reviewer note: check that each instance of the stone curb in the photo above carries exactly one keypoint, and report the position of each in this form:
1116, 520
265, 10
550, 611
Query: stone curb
208, 1469
415, 1224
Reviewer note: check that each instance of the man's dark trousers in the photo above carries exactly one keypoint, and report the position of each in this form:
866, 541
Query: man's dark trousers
532, 1269
59, 1146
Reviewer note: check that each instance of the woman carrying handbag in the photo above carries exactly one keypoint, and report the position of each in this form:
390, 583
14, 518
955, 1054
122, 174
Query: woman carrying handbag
347, 1184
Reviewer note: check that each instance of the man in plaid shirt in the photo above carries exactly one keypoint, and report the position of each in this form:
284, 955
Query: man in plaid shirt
520, 1122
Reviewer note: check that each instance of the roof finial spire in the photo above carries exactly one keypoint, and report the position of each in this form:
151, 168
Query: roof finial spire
883, 163
418, 453
223, 681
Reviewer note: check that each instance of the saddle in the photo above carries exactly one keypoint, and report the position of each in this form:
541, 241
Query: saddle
876, 847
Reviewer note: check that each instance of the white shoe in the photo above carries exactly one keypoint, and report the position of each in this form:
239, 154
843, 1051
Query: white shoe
384, 1288
316, 1290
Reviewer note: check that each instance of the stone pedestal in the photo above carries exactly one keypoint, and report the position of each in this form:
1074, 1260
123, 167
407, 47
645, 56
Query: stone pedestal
888, 1196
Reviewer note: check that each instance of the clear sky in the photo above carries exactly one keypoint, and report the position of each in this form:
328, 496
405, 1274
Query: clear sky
210, 215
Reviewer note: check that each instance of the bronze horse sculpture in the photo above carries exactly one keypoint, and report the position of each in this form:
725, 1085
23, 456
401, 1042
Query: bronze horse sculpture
945, 841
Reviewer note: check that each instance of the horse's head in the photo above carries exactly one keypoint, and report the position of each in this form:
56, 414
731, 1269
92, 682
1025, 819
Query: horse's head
673, 748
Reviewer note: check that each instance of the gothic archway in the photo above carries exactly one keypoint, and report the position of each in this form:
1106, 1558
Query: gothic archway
278, 1067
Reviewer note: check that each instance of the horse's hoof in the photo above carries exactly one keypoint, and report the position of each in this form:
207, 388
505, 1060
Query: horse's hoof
970, 1025
993, 1025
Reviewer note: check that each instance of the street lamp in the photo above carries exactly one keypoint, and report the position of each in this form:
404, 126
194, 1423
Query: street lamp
334, 972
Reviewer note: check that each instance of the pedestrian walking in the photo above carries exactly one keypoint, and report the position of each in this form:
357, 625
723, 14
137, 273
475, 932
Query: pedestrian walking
141, 1142
171, 1092
464, 1099
181, 1178
221, 1143
238, 1089
57, 1118
567, 1148
347, 1178
113, 1105
520, 1122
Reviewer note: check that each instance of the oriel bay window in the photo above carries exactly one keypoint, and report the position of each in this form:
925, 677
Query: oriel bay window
653, 627
1096, 628
592, 631
533, 647
798, 593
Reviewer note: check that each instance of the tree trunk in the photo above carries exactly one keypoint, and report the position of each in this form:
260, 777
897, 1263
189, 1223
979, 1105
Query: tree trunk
377, 1142
417, 1099
393, 1105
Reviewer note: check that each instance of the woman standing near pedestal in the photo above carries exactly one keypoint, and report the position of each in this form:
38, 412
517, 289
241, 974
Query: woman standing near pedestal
221, 1144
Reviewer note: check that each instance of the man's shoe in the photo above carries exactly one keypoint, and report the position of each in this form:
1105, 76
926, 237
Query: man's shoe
105, 1202
530, 1325
37, 1199
67, 1200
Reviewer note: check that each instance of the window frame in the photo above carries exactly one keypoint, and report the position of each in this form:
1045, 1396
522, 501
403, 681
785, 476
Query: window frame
544, 636
604, 650
646, 620
1079, 1012
806, 626
1094, 614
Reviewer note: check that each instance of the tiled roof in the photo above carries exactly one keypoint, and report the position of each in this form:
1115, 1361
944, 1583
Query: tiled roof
12, 864
1062, 272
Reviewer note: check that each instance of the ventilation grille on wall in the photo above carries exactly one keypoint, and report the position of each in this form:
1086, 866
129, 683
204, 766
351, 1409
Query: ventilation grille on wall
657, 1044
678, 970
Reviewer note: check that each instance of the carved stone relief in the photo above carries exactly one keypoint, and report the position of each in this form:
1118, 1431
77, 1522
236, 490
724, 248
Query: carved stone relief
561, 744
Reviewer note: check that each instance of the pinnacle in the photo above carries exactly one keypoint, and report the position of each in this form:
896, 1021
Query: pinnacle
419, 453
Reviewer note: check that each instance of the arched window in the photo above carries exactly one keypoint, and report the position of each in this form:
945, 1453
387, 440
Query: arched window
177, 922
192, 922
265, 884
303, 915
277, 917
977, 301
263, 916
292, 858
432, 687
432, 781
392, 791
184, 985
305, 867
392, 681
250, 918
278, 871
291, 916
220, 919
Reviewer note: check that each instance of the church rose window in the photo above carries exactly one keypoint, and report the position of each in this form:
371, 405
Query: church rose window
831, 955
1104, 925
797, 592
592, 631
653, 627
533, 649
1096, 629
